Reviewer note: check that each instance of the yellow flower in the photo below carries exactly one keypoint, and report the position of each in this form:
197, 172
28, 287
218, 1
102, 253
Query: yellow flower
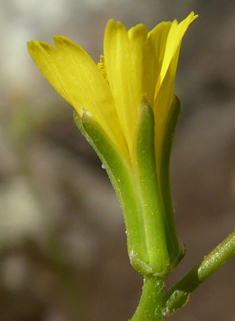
127, 104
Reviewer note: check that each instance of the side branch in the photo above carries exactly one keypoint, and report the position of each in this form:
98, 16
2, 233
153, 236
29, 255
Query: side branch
178, 295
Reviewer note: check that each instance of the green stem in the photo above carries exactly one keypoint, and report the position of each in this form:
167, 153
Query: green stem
149, 307
178, 295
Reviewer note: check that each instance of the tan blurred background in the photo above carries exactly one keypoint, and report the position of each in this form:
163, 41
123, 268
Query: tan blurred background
62, 242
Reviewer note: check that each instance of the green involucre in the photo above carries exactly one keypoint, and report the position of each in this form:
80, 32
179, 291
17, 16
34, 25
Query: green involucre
152, 241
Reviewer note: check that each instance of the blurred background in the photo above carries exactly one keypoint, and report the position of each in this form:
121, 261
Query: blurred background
63, 250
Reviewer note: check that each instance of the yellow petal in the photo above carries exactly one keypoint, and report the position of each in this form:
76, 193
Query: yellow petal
73, 73
157, 39
174, 40
166, 38
143, 62
124, 55
46, 59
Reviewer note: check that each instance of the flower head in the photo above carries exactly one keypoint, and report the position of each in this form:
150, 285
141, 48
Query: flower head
126, 105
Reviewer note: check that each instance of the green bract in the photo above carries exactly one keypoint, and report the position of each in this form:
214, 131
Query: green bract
151, 237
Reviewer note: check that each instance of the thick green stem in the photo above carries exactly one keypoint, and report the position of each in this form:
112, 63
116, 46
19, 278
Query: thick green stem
149, 307
178, 295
